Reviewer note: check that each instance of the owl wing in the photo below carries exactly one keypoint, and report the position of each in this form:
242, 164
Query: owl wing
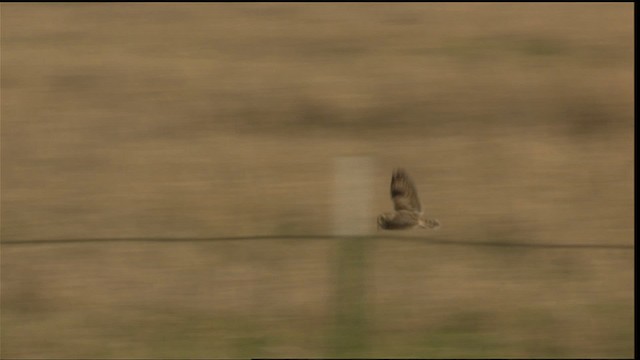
403, 192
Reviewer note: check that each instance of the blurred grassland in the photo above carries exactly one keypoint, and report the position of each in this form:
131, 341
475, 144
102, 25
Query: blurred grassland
143, 120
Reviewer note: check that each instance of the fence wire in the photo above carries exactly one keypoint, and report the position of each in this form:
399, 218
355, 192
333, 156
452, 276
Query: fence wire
417, 239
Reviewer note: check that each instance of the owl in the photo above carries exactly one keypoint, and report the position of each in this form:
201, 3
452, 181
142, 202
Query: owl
408, 210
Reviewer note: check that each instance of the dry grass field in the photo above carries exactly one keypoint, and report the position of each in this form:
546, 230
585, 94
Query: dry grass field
207, 120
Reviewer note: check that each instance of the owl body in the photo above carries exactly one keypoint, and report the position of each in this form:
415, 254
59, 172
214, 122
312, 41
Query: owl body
402, 219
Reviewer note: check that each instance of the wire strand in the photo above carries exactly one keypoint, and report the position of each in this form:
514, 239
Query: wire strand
423, 240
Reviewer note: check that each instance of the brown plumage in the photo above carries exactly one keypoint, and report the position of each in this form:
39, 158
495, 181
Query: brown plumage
408, 210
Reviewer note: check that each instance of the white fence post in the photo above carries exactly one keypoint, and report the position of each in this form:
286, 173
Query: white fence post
353, 196
353, 220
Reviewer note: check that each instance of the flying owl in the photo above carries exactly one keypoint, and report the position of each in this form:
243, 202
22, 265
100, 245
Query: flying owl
408, 211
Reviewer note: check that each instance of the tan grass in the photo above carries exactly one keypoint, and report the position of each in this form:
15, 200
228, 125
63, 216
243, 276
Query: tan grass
195, 120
